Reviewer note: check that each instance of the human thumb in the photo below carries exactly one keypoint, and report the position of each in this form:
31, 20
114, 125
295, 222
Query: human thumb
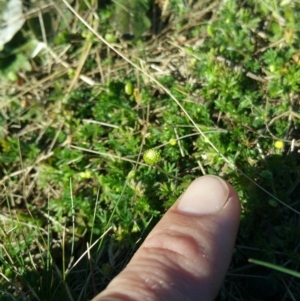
187, 254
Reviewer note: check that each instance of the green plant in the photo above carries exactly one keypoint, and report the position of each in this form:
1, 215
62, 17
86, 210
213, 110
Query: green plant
95, 147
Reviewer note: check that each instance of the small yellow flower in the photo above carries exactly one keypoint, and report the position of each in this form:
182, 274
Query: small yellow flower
152, 156
278, 144
173, 142
85, 174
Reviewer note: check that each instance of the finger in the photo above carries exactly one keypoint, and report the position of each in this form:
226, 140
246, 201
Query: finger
187, 254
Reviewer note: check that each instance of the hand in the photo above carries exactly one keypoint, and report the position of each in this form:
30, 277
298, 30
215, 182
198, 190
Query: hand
187, 254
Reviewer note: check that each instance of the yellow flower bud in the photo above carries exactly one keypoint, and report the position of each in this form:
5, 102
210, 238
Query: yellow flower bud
173, 142
279, 144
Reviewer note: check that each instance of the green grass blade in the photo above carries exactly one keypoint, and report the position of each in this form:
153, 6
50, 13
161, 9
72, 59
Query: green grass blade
275, 267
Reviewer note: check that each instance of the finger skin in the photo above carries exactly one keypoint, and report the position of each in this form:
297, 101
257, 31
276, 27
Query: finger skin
184, 258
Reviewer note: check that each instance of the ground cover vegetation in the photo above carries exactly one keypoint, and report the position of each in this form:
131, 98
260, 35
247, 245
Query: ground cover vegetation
87, 88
